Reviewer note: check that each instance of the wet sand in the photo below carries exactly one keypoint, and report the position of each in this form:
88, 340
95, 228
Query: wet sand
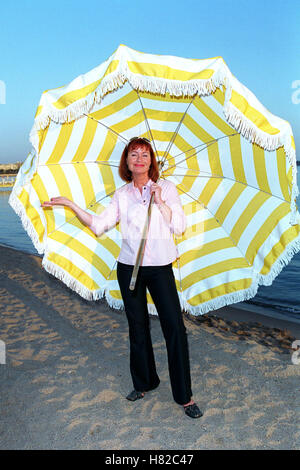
67, 374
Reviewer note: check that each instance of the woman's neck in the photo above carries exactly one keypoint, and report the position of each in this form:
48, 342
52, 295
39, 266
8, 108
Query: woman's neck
140, 180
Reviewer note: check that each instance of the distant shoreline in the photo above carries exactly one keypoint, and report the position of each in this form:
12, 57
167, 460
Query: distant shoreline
8, 169
13, 168
238, 311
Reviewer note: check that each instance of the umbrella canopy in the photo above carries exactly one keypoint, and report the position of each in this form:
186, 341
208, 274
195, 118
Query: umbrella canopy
233, 162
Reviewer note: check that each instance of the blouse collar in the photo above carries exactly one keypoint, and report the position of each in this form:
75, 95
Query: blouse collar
132, 186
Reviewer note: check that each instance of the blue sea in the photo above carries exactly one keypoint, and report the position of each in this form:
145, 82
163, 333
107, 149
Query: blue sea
283, 295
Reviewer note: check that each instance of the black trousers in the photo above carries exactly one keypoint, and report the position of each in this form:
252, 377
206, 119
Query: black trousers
161, 284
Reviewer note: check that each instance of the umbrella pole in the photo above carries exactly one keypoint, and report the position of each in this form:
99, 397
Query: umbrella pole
141, 247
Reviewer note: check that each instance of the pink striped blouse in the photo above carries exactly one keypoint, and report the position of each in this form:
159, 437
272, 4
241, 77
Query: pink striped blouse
129, 207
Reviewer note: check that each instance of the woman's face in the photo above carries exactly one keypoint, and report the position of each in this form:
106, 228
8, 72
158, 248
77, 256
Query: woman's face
139, 160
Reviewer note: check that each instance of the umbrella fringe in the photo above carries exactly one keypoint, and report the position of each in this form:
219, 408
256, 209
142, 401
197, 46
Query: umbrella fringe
18, 207
248, 130
83, 291
69, 114
203, 87
283, 260
119, 304
291, 249
115, 81
268, 142
70, 281
113, 302
220, 302
174, 87
221, 77
26, 172
294, 219
77, 109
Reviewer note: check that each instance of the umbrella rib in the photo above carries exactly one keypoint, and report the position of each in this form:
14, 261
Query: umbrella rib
201, 145
90, 205
209, 175
103, 162
196, 176
176, 132
109, 194
108, 128
178, 267
203, 205
190, 156
111, 270
146, 121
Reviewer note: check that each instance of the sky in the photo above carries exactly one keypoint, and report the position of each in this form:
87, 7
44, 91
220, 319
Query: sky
45, 45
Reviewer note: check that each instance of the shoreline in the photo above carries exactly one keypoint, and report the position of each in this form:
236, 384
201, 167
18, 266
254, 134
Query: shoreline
242, 312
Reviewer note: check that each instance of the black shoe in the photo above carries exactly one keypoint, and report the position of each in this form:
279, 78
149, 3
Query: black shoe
193, 411
134, 395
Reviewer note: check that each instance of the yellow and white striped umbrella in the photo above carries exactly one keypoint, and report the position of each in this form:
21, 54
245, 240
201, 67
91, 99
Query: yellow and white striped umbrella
233, 162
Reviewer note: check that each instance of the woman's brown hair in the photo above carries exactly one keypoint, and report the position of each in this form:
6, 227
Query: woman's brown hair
124, 171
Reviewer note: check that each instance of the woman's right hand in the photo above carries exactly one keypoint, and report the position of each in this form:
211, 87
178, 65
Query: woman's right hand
57, 201
84, 216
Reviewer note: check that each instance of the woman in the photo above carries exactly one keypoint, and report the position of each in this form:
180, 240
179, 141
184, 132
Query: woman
129, 205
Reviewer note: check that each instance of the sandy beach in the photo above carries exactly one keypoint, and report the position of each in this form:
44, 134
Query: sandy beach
67, 374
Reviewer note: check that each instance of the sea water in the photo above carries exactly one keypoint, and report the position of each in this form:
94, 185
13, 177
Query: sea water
283, 294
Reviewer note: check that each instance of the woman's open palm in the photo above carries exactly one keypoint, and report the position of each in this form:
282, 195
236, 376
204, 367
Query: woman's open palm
56, 201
